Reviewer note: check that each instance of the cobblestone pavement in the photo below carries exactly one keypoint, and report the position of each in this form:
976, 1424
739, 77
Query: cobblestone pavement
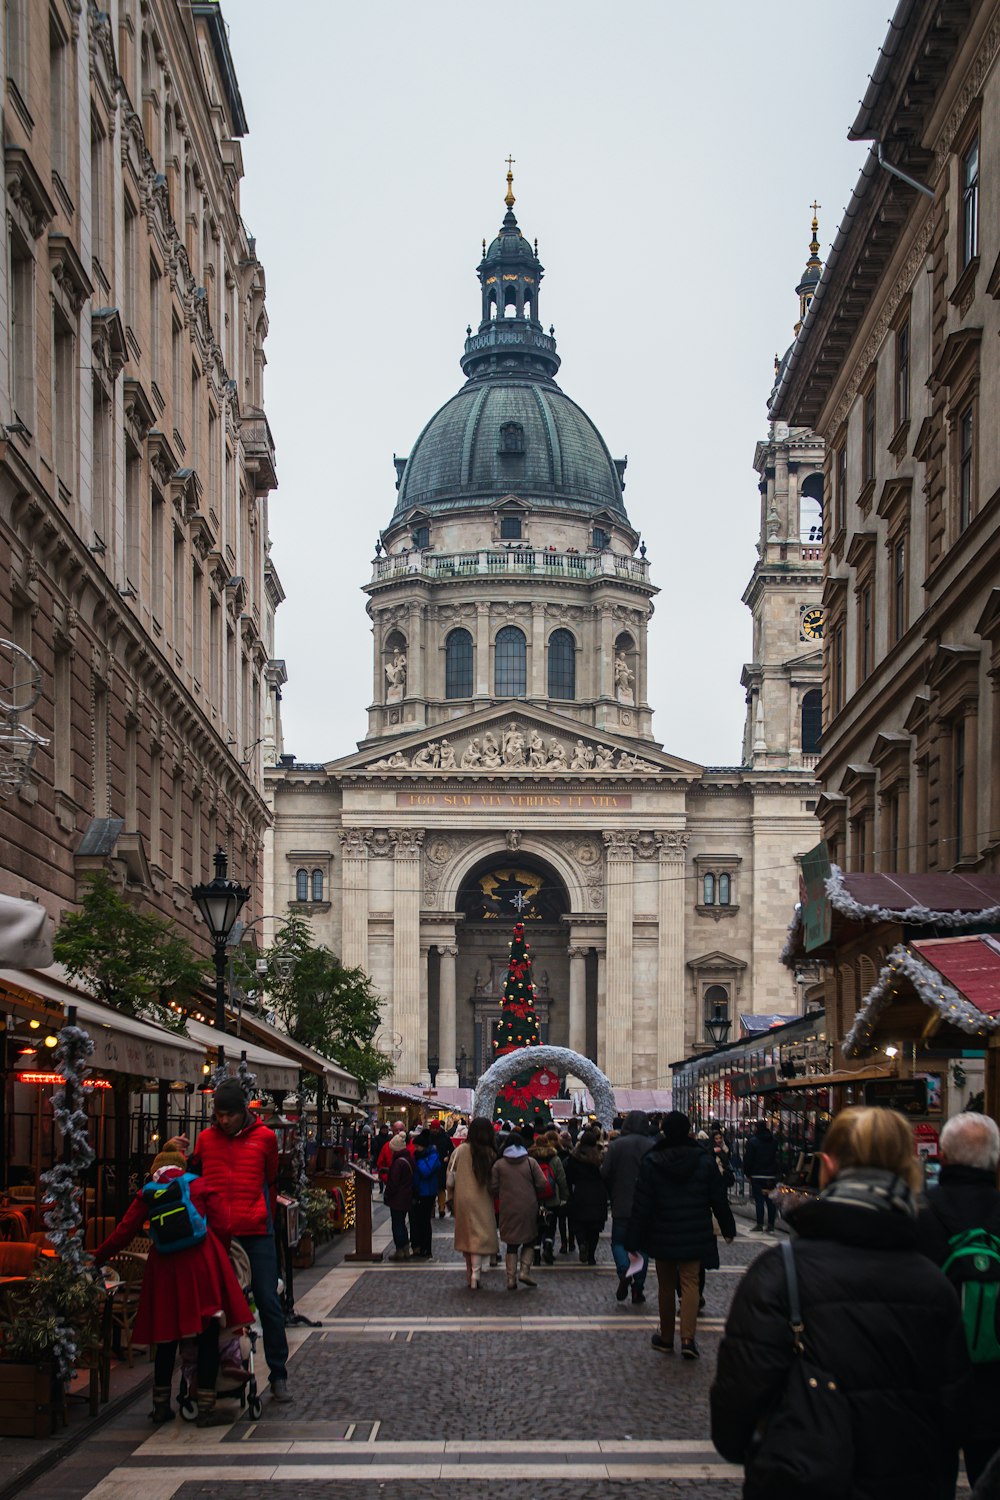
415, 1388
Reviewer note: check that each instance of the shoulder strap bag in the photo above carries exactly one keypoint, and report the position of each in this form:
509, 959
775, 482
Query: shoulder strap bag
804, 1450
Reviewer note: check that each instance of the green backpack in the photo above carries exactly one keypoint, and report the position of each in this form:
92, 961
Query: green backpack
973, 1267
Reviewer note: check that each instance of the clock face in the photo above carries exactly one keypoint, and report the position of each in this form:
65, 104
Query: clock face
811, 624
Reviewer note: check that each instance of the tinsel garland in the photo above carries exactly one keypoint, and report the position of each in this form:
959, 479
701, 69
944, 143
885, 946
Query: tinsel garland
246, 1079
932, 990
61, 1185
561, 1060
299, 1152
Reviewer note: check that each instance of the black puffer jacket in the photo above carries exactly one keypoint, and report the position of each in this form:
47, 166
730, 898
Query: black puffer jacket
677, 1191
966, 1198
588, 1197
760, 1159
881, 1319
620, 1167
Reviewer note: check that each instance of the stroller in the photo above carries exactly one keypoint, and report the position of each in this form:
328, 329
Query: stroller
234, 1343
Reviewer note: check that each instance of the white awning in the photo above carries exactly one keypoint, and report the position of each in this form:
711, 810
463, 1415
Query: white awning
338, 1081
122, 1044
273, 1071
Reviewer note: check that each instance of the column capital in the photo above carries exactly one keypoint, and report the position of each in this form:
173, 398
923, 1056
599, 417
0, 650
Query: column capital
674, 845
578, 952
447, 949
354, 842
618, 843
407, 842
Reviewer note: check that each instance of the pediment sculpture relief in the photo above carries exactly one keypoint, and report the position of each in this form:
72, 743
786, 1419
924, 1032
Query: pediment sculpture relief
514, 748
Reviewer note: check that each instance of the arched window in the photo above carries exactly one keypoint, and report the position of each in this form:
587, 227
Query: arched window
511, 675
812, 721
562, 665
708, 890
317, 885
811, 510
510, 528
716, 1006
724, 889
458, 664
302, 885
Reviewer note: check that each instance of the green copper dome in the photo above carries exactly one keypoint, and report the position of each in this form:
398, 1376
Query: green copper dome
510, 429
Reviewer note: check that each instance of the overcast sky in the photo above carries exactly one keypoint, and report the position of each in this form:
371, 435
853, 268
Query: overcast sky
666, 156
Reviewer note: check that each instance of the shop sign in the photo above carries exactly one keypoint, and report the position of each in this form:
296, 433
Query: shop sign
41, 1079
907, 1095
817, 914
763, 1078
740, 1083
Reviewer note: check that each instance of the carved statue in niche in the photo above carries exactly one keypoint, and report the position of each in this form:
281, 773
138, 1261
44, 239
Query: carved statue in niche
395, 673
536, 749
624, 679
426, 759
513, 746
583, 757
446, 756
472, 759
491, 751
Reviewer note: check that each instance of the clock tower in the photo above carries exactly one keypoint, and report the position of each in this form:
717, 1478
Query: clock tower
783, 682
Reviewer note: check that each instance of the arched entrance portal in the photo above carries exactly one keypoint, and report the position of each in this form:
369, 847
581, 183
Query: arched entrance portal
498, 890
562, 1061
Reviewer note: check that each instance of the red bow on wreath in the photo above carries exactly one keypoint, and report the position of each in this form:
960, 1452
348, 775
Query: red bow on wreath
519, 1096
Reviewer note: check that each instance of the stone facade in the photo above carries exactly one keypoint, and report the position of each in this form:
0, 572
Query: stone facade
510, 759
135, 456
897, 368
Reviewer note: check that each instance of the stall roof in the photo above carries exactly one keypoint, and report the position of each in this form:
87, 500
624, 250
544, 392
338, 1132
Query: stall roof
752, 1025
446, 1098
272, 1070
933, 974
122, 1044
971, 964
339, 1082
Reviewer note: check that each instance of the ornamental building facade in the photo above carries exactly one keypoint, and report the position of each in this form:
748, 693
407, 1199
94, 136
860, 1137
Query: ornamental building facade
135, 459
510, 765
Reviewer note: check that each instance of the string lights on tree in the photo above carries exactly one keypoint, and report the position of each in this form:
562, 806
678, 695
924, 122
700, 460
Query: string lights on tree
524, 1099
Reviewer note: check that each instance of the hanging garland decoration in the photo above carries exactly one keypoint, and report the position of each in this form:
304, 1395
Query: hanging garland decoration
61, 1186
911, 916
555, 1062
901, 964
299, 1151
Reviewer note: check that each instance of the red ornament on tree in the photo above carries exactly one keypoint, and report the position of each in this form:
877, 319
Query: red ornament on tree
526, 1095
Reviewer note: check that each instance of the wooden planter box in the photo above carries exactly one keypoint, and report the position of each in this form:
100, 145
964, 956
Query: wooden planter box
305, 1253
27, 1400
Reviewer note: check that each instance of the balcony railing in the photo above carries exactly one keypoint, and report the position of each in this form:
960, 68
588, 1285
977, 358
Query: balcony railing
258, 445
536, 562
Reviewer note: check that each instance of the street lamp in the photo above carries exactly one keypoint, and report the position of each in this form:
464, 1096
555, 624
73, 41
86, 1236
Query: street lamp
718, 1024
219, 903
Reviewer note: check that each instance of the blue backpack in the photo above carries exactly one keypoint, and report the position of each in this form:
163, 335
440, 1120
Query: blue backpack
174, 1222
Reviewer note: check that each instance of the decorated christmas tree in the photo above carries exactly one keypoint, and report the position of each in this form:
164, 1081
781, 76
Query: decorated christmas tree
525, 1099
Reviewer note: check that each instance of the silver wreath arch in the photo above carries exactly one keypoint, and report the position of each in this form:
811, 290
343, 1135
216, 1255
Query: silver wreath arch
562, 1061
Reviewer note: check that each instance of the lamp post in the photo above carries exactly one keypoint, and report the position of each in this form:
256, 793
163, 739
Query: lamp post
220, 902
718, 1024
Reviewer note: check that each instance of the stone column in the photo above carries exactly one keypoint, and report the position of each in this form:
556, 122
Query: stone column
354, 918
424, 1030
904, 853
969, 837
578, 1000
537, 684
406, 950
602, 991
415, 653
670, 976
447, 1072
994, 757
482, 650
919, 850
618, 1000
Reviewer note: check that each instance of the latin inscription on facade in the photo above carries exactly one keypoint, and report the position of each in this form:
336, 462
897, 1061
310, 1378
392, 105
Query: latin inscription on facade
513, 801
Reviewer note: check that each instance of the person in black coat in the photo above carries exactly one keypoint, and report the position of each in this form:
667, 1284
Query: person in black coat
677, 1191
760, 1164
588, 1196
620, 1170
967, 1197
878, 1317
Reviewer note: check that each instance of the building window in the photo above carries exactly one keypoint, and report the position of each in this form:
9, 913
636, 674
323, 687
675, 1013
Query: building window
302, 885
64, 388
22, 330
966, 436
812, 721
903, 373
103, 456
868, 437
511, 678
970, 203
511, 438
510, 528
59, 100
421, 537
958, 785
840, 487
899, 589
317, 885
458, 665
865, 627
562, 665
837, 668
599, 538
725, 884
708, 890
157, 561
716, 999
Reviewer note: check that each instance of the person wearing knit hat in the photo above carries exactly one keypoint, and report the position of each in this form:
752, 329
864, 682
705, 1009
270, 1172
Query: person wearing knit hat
184, 1291
237, 1156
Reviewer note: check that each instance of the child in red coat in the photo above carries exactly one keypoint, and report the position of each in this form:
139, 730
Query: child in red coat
186, 1293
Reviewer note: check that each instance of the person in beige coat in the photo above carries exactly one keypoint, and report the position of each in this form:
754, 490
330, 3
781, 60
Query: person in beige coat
468, 1188
517, 1181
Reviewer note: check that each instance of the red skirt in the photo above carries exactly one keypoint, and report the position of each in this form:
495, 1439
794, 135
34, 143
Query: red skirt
183, 1291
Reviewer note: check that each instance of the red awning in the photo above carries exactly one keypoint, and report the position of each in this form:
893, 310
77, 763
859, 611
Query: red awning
935, 892
971, 964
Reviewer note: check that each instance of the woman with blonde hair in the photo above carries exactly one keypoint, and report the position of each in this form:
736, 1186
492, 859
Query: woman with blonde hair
878, 1317
468, 1188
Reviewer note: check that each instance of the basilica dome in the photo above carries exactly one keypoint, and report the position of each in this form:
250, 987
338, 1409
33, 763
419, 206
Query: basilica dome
510, 429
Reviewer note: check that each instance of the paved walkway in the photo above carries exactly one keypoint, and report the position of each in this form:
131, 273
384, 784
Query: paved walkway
415, 1388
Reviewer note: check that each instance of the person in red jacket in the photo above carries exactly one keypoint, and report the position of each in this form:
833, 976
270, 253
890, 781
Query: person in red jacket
238, 1157
385, 1156
184, 1294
